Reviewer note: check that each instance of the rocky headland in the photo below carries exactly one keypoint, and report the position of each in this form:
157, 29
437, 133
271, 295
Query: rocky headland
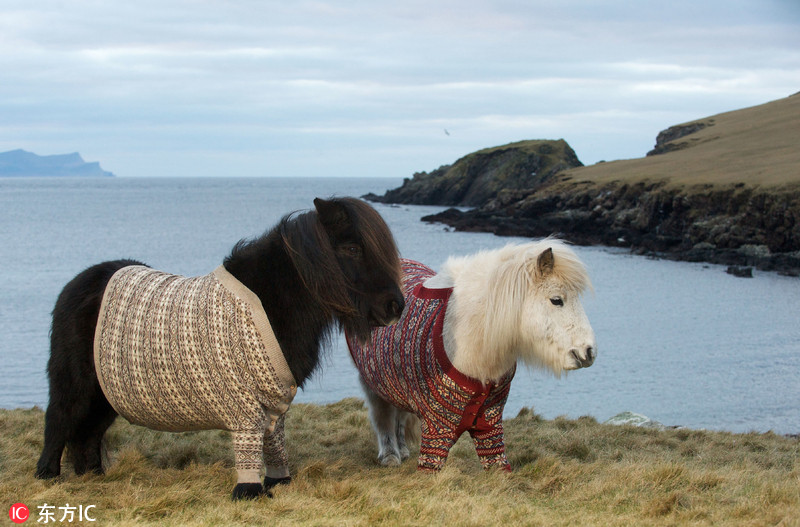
479, 177
20, 163
723, 189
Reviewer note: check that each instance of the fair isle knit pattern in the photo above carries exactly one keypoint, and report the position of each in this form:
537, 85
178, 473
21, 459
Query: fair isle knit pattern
406, 365
176, 353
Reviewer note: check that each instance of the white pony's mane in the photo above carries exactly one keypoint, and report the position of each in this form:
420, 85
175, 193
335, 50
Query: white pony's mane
568, 268
490, 287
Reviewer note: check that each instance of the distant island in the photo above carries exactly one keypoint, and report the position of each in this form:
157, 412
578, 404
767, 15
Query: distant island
723, 189
20, 163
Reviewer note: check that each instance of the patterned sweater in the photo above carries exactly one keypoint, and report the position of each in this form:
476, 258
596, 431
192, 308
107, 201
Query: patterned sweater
175, 353
406, 365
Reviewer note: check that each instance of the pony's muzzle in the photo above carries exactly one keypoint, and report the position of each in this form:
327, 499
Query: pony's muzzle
396, 308
392, 309
584, 359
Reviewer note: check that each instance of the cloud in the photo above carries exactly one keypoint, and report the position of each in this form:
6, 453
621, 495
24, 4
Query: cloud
366, 88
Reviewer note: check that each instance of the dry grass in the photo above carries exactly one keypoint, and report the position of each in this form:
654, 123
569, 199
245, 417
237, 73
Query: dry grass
566, 472
755, 146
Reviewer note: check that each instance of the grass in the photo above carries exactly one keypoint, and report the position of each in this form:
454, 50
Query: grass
755, 147
566, 472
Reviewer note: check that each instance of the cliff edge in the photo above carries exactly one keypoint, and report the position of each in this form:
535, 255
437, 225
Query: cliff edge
722, 189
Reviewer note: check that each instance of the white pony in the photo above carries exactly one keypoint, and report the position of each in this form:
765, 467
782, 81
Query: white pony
451, 357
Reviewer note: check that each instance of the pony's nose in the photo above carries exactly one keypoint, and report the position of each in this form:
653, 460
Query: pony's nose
389, 311
585, 360
591, 353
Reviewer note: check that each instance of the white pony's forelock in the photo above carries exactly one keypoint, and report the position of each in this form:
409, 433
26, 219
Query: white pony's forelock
568, 268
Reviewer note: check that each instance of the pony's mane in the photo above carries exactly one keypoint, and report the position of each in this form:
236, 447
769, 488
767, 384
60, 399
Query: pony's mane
309, 247
376, 237
568, 268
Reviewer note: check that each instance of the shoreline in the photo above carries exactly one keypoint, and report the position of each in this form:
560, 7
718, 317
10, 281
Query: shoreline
736, 226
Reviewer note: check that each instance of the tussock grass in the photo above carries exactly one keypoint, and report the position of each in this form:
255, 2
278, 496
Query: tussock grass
566, 472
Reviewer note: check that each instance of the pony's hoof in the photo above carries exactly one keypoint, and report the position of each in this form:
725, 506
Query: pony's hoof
404, 454
249, 491
45, 473
389, 460
97, 471
271, 482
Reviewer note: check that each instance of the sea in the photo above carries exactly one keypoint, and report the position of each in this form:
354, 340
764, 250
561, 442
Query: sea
685, 344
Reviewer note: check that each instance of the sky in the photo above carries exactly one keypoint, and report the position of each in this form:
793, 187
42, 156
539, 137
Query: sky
375, 88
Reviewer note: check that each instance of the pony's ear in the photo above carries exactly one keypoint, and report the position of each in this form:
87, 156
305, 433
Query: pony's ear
331, 213
545, 262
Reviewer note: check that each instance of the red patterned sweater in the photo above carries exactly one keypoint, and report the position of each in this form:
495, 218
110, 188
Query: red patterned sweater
406, 365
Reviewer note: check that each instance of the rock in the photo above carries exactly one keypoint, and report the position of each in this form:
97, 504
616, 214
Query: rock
740, 271
477, 178
728, 225
755, 251
665, 139
633, 419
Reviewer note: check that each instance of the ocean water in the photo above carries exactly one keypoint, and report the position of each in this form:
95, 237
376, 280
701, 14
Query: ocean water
685, 344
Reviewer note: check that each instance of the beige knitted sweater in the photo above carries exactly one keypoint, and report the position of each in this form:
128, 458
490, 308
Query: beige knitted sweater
176, 353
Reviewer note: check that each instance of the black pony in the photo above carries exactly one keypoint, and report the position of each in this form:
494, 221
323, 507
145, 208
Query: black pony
333, 267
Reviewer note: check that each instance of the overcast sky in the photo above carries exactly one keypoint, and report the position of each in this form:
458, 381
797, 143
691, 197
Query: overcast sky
375, 88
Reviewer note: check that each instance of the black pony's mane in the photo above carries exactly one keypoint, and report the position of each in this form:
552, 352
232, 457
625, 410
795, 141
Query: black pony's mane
294, 271
314, 259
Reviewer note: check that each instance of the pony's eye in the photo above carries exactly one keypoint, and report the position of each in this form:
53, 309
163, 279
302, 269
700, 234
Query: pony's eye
557, 301
351, 250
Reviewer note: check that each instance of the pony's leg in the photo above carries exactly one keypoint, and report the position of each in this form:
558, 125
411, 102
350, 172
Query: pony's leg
55, 439
434, 447
384, 421
79, 421
403, 420
490, 448
276, 458
87, 451
248, 448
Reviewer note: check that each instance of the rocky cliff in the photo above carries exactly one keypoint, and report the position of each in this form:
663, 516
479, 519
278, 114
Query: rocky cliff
724, 189
734, 225
478, 177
